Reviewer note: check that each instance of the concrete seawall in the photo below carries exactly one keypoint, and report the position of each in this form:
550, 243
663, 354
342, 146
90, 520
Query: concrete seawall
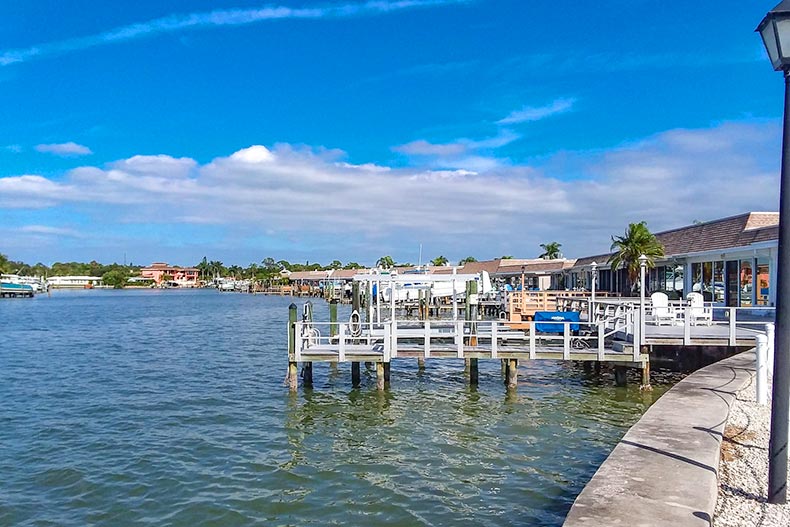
664, 471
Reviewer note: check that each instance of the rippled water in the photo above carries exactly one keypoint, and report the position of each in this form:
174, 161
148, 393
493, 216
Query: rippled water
168, 408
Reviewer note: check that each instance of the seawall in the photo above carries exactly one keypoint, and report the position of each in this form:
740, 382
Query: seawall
664, 470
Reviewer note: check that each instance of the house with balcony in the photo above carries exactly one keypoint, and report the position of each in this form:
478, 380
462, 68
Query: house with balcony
164, 274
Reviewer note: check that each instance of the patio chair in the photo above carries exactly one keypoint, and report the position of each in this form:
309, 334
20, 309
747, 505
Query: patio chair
698, 313
662, 311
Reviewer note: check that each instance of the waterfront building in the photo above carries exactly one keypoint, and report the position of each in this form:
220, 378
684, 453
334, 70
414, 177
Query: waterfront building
161, 272
78, 282
732, 261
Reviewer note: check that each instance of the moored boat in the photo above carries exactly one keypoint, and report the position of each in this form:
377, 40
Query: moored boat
10, 289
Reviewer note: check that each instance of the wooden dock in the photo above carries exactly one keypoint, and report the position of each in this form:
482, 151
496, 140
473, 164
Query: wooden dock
621, 337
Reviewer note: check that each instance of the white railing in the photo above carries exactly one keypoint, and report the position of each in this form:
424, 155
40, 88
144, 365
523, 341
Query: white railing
620, 315
461, 336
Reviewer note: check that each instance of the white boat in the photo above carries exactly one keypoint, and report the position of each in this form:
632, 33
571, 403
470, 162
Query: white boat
37, 284
408, 286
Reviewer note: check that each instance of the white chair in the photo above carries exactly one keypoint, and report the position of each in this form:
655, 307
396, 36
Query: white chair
698, 313
662, 311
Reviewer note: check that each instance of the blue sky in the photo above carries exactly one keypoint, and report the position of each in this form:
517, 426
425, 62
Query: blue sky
173, 130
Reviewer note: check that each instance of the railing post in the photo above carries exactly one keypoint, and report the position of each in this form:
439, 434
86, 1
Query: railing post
393, 339
732, 321
394, 336
762, 369
494, 331
459, 337
601, 353
566, 340
427, 344
687, 326
642, 318
532, 340
388, 352
341, 343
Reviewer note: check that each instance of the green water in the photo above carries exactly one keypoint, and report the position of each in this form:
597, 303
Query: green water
168, 408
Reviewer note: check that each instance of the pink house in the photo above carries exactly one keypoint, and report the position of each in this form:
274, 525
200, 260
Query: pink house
158, 270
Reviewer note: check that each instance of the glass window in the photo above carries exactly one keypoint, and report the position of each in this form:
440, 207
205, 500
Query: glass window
718, 282
745, 283
733, 283
707, 281
696, 277
677, 273
763, 281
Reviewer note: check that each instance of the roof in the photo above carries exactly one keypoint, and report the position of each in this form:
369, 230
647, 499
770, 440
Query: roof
726, 233
309, 275
732, 232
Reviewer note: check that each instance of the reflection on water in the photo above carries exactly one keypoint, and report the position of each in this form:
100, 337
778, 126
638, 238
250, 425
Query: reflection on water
129, 407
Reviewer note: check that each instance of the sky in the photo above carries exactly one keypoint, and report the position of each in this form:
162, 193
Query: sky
170, 130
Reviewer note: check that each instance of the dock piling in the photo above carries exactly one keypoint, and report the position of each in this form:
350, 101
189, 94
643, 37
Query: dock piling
380, 375
355, 374
474, 374
620, 376
292, 377
307, 373
512, 373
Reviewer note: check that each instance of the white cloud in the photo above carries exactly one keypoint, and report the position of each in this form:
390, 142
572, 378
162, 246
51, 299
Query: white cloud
536, 113
424, 148
64, 149
303, 194
13, 148
46, 230
222, 17
461, 153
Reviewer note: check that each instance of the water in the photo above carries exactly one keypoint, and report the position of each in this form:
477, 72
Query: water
168, 408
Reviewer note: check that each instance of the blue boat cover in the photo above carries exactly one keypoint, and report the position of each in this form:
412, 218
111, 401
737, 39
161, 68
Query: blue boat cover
555, 316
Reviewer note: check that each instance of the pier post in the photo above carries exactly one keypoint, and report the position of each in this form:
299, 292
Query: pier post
333, 327
620, 376
421, 363
474, 374
308, 374
333, 317
387, 372
292, 369
503, 364
355, 374
512, 373
380, 375
645, 386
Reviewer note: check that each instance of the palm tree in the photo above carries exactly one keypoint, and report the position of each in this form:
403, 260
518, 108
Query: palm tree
551, 251
636, 241
385, 262
468, 259
216, 267
439, 261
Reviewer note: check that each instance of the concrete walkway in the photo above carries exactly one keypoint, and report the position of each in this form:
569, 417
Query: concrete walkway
664, 471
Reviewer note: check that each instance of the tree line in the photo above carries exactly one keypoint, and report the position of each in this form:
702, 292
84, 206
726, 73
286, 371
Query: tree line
637, 240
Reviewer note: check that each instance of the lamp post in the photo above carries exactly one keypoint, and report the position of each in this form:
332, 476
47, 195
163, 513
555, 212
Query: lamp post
642, 267
775, 31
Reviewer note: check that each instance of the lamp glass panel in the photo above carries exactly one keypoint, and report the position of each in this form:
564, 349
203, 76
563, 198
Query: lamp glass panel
769, 40
783, 30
